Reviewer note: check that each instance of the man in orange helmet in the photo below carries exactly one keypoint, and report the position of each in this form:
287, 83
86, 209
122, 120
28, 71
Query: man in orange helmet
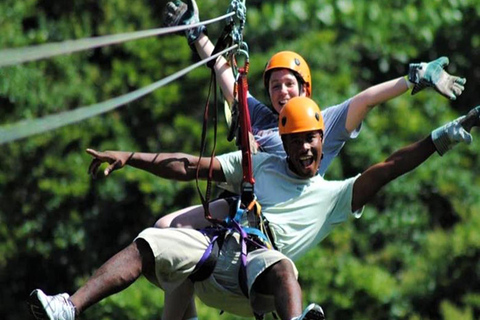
302, 209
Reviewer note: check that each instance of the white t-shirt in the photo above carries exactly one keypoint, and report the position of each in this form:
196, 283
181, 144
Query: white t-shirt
301, 212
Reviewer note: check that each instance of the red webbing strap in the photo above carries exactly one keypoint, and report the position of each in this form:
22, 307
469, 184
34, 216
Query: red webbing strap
245, 132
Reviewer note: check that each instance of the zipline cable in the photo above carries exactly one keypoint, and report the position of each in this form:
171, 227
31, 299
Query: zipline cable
27, 128
15, 56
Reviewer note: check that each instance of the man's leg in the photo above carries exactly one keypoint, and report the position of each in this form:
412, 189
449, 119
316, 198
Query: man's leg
191, 217
194, 216
115, 275
180, 303
280, 281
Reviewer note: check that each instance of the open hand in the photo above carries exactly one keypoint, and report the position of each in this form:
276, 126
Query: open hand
116, 160
432, 74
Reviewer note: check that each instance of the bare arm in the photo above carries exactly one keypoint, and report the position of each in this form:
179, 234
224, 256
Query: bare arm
175, 166
399, 163
363, 102
224, 73
423, 75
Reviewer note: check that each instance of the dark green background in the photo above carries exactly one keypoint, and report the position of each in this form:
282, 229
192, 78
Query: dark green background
413, 255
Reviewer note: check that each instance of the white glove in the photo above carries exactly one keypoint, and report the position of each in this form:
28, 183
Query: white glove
432, 74
447, 136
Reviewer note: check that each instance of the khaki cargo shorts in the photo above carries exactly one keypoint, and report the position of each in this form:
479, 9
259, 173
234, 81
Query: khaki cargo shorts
177, 251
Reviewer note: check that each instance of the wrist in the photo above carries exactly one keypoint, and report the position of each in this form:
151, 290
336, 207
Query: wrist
415, 71
194, 34
441, 140
409, 84
130, 157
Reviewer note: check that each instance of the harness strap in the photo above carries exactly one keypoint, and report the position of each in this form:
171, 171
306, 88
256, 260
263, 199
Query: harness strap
222, 42
248, 181
206, 200
261, 236
206, 265
269, 233
242, 272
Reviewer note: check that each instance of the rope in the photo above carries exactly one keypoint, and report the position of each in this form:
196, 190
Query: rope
27, 128
20, 55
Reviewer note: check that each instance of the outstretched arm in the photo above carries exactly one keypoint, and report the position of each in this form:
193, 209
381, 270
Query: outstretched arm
399, 163
406, 159
420, 76
363, 102
175, 166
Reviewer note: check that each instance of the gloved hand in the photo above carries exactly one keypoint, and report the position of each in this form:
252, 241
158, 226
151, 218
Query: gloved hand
178, 13
432, 74
445, 137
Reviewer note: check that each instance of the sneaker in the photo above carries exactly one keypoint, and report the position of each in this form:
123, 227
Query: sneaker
45, 307
312, 312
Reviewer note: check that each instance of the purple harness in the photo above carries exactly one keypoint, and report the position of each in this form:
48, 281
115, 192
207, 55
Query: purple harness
250, 239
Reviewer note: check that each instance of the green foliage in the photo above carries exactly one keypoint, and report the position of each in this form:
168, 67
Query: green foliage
414, 253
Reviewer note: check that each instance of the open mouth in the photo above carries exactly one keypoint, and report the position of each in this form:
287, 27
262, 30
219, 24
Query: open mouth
282, 103
306, 161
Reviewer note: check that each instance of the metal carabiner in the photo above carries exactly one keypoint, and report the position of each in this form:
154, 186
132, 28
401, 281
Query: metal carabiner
243, 52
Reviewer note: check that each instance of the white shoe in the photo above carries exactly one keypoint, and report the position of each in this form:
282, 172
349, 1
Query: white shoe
45, 307
312, 312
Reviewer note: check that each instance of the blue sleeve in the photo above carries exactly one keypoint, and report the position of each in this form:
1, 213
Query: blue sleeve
264, 124
261, 116
336, 134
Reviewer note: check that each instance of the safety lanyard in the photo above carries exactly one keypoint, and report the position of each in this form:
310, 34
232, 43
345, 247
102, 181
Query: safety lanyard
248, 182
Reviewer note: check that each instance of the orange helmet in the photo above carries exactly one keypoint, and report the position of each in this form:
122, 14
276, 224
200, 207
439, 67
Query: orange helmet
300, 114
293, 62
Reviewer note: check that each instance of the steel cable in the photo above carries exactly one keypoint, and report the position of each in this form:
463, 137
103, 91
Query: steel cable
15, 56
27, 128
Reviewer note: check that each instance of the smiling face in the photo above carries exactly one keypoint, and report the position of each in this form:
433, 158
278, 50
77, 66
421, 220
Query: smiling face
282, 86
304, 152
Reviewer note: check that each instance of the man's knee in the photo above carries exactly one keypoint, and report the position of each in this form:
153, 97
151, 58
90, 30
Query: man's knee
283, 269
162, 223
273, 276
148, 260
